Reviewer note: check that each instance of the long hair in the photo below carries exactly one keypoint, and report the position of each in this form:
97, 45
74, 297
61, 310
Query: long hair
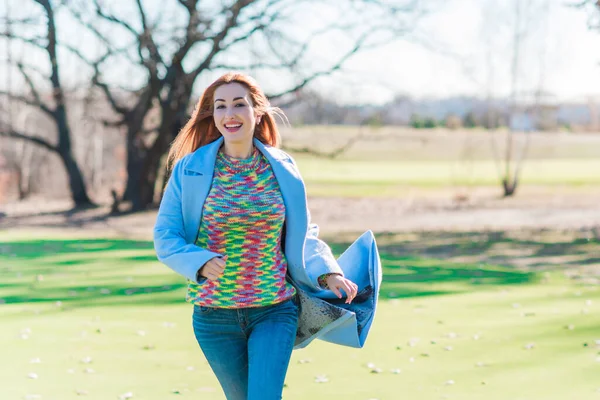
201, 129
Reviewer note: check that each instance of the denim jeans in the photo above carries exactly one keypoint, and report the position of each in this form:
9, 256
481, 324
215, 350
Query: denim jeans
248, 349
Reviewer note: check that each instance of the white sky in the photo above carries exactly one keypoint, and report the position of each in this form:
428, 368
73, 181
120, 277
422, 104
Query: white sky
560, 51
569, 49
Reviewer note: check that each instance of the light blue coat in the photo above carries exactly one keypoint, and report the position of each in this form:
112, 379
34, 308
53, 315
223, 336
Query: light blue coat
308, 257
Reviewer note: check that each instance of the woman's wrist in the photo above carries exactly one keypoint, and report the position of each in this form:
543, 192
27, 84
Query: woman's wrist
322, 279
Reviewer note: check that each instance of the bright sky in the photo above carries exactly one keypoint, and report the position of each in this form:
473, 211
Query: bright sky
559, 44
446, 55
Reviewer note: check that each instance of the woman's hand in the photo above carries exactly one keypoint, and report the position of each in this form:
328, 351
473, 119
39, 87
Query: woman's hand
213, 268
336, 282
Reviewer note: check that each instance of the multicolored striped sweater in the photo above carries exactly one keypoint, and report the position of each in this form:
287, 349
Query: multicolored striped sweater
243, 218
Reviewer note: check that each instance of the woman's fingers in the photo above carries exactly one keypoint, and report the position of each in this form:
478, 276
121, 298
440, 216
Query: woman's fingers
213, 268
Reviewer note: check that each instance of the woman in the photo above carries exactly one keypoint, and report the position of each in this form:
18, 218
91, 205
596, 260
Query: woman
234, 222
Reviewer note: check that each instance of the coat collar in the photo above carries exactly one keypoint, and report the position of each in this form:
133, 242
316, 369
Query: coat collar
202, 161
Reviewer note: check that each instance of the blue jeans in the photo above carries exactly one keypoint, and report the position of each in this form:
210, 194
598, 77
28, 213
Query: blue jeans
248, 349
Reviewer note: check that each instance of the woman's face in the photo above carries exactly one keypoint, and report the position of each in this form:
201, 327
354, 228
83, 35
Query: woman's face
233, 113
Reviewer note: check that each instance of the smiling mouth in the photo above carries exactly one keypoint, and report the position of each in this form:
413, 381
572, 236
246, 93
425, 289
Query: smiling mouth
233, 127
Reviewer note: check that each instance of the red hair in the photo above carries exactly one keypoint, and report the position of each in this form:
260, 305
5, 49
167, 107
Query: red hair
201, 129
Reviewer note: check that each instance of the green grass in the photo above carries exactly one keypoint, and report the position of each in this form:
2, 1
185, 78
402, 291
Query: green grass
347, 177
104, 318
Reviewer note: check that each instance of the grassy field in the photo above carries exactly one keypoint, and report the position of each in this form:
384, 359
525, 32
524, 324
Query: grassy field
384, 162
100, 318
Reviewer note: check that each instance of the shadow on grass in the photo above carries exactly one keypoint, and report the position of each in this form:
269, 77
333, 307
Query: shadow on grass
414, 265
423, 263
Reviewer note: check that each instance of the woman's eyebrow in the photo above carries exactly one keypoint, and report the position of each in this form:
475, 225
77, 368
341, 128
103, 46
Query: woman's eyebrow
237, 98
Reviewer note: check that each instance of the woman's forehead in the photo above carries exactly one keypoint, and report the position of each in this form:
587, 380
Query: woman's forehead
231, 91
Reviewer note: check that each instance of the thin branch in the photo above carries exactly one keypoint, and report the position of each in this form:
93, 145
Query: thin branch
28, 101
30, 138
337, 66
112, 18
34, 91
32, 41
329, 154
234, 13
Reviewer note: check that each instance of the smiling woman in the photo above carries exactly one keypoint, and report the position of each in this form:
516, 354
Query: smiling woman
234, 222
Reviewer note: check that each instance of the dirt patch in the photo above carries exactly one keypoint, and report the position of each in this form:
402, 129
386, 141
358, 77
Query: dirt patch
480, 209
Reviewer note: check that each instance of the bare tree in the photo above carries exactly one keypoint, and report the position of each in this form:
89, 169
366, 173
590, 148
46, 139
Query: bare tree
55, 109
247, 35
510, 157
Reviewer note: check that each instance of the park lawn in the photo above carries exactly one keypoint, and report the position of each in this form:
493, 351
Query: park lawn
100, 318
390, 178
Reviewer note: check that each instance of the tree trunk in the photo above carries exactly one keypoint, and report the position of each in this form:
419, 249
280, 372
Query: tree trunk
76, 182
509, 187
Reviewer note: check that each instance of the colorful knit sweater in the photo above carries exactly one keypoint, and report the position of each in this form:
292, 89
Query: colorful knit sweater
243, 218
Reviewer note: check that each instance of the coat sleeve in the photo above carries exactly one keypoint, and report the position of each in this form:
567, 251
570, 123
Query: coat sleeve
172, 248
318, 258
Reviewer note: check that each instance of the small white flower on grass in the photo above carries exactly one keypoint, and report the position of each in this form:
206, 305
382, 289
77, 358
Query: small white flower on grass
126, 396
449, 382
35, 360
32, 375
321, 379
529, 346
86, 360
396, 371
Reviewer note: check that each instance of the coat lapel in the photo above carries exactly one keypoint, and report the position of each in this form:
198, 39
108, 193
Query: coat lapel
294, 198
197, 179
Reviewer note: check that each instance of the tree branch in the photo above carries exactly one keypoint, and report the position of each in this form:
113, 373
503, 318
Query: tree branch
29, 102
329, 154
34, 92
30, 138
